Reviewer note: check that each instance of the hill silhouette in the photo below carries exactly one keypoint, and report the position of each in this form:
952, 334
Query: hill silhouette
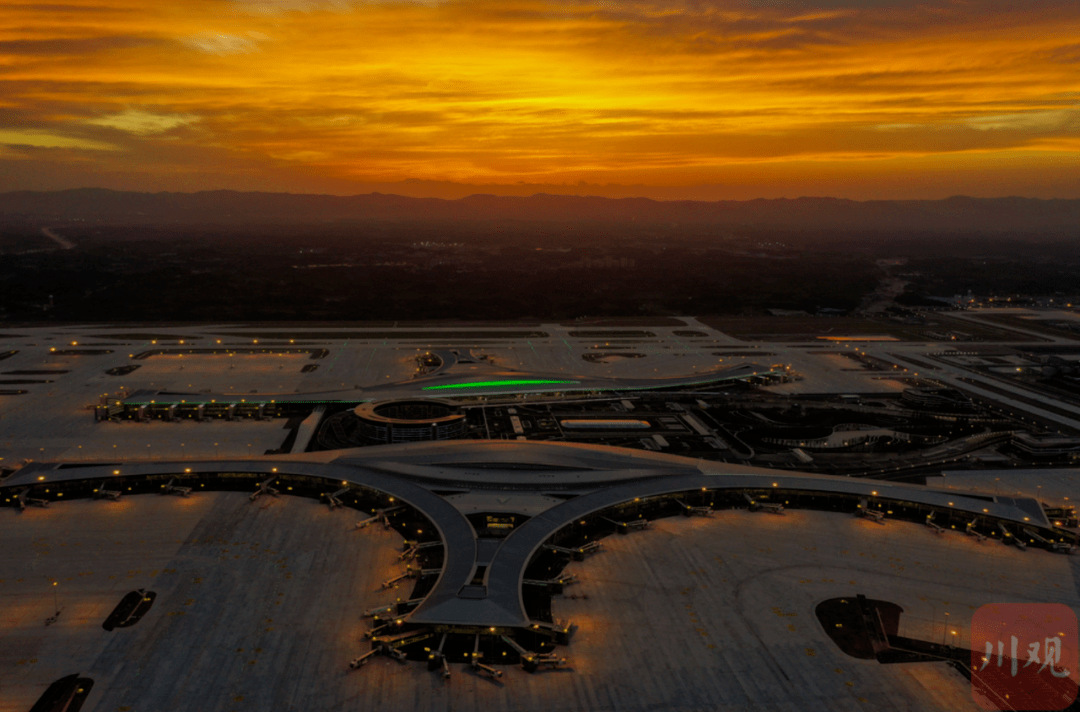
223, 207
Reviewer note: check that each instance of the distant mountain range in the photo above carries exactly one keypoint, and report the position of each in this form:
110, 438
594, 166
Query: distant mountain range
223, 207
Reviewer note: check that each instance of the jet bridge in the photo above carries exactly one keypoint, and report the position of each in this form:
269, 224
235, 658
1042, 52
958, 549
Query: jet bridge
689, 511
101, 492
334, 500
874, 515
756, 505
938, 529
628, 526
390, 646
172, 488
264, 488
474, 661
437, 660
555, 585
579, 553
412, 548
23, 498
410, 573
1058, 547
1008, 538
381, 515
530, 661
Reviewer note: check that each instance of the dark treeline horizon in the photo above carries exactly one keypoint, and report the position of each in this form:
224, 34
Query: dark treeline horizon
223, 207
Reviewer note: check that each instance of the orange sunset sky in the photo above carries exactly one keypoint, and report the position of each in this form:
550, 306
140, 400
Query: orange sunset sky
668, 99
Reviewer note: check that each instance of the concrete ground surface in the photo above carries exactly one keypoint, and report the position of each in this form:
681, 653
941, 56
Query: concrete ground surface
259, 608
259, 604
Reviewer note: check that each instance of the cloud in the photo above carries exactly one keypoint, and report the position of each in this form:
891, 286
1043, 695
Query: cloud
1034, 121
277, 7
45, 139
70, 46
615, 90
222, 44
60, 8
143, 123
1068, 54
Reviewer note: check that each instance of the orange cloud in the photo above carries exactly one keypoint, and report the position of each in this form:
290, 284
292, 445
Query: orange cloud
783, 98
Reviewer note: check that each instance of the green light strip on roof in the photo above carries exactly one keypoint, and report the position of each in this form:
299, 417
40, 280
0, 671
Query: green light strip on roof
492, 384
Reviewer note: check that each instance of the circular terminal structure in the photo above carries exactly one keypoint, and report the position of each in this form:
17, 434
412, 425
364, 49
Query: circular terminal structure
410, 420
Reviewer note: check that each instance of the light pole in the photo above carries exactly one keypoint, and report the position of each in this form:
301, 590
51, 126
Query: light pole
56, 605
945, 631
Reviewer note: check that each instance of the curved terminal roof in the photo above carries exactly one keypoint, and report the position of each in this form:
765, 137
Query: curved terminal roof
501, 471
462, 378
391, 411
